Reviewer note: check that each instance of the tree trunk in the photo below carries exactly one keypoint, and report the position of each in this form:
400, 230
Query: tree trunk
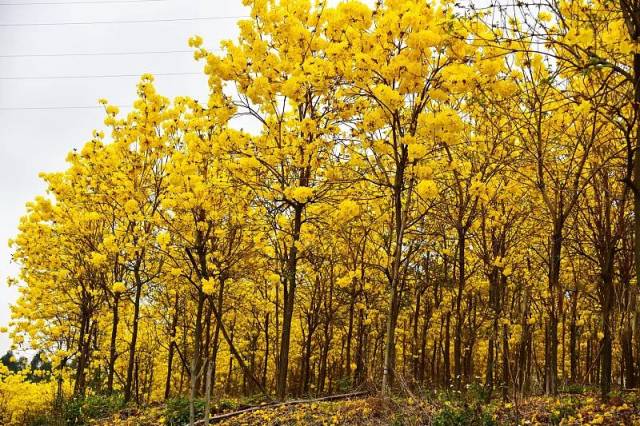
446, 356
83, 349
289, 300
505, 363
490, 361
389, 356
265, 367
551, 331
195, 358
636, 153
349, 337
457, 341
112, 345
172, 348
627, 353
210, 380
134, 334
606, 354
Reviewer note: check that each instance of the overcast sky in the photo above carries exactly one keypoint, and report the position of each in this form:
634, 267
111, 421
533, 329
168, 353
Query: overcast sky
34, 140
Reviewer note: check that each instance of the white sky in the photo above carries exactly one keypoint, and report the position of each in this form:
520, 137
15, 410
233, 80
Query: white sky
32, 141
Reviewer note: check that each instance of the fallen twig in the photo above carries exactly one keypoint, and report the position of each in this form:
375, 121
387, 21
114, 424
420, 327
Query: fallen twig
220, 417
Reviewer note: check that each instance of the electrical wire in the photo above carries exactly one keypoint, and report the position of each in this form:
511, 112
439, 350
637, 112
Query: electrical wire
42, 55
140, 21
59, 107
64, 54
42, 3
71, 77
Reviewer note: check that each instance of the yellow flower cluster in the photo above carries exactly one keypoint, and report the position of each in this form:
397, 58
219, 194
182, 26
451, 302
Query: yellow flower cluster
131, 206
301, 194
347, 210
118, 287
427, 189
163, 239
209, 286
98, 259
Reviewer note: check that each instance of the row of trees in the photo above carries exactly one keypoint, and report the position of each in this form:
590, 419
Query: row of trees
432, 198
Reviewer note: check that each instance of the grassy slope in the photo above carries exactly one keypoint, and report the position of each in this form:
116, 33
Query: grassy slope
564, 410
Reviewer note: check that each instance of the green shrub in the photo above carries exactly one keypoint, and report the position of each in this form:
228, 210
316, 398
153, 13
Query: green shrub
454, 416
576, 389
478, 392
79, 411
44, 419
398, 420
224, 405
177, 411
567, 408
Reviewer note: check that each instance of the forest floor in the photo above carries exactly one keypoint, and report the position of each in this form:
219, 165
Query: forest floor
444, 410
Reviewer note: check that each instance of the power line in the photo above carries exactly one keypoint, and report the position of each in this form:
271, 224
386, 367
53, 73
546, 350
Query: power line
58, 107
141, 21
40, 55
71, 77
42, 3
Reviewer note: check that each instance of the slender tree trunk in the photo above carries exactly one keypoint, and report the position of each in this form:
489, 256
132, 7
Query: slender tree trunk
134, 334
423, 344
172, 348
457, 341
195, 359
210, 380
390, 341
505, 363
447, 350
227, 386
83, 349
207, 391
265, 367
551, 335
306, 358
324, 353
347, 362
573, 339
636, 151
327, 334
289, 299
389, 356
361, 353
136, 380
606, 354
490, 360
415, 343
205, 349
627, 353
494, 295
112, 345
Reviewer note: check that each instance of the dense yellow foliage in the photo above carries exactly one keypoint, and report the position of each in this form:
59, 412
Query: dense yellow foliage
433, 197
21, 398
